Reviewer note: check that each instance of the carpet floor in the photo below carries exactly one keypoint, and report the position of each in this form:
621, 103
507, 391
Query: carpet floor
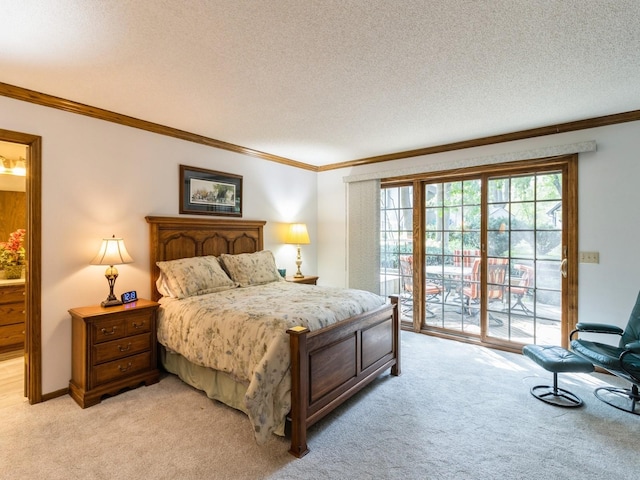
458, 411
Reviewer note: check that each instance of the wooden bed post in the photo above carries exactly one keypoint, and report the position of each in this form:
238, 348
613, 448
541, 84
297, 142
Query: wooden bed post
395, 370
299, 390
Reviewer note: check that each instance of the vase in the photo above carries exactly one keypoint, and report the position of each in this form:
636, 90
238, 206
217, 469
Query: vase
13, 271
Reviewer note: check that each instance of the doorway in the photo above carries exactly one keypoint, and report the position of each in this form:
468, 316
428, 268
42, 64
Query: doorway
13, 224
33, 242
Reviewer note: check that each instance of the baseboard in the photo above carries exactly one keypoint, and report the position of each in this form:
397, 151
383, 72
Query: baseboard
56, 394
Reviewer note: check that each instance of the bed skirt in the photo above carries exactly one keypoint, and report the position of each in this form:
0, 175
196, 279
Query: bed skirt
215, 384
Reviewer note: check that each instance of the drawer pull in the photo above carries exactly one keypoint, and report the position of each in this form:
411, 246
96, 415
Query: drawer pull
125, 368
124, 349
138, 325
106, 332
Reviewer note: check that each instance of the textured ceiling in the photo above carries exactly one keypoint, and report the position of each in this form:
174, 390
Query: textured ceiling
327, 81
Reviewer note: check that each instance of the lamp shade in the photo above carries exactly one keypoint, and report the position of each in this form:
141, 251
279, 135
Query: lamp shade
112, 252
298, 234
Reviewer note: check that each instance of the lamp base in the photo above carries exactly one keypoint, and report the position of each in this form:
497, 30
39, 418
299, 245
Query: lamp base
111, 303
298, 273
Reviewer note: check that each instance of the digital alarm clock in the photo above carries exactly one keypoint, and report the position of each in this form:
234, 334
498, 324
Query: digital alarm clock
129, 297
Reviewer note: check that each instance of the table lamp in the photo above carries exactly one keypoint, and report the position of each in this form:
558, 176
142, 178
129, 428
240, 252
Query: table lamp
298, 235
112, 252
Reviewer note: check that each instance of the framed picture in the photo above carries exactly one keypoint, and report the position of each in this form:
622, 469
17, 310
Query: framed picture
207, 192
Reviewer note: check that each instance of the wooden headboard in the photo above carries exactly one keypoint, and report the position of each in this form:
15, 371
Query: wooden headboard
181, 237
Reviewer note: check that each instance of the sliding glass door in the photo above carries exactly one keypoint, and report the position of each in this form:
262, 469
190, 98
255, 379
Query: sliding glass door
396, 246
452, 237
488, 254
525, 230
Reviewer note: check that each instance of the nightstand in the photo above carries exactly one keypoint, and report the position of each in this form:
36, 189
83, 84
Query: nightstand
112, 349
309, 279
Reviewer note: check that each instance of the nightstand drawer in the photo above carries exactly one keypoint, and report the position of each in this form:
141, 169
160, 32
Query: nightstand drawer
121, 368
106, 351
139, 323
12, 313
106, 330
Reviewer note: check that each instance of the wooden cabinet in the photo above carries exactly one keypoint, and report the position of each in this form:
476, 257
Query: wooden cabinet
310, 280
113, 348
12, 316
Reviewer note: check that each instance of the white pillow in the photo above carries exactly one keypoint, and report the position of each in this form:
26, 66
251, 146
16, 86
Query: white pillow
186, 277
163, 286
251, 268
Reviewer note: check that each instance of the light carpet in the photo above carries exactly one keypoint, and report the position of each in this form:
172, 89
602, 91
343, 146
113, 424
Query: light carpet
458, 411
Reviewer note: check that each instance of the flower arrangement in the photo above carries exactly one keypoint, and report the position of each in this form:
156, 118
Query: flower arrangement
12, 251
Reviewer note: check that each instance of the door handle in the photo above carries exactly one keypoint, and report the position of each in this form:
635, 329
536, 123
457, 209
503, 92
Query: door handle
563, 268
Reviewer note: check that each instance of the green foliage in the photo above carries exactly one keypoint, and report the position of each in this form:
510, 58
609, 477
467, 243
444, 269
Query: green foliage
390, 255
453, 217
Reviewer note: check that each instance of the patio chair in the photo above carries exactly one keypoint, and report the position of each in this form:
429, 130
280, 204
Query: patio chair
496, 275
431, 290
522, 288
465, 257
622, 361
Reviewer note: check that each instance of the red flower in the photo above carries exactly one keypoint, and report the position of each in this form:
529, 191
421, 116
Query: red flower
12, 251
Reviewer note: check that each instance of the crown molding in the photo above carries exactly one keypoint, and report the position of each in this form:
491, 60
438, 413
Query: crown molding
26, 95
630, 116
31, 96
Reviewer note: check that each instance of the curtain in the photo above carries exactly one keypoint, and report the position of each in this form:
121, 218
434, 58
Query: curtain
363, 235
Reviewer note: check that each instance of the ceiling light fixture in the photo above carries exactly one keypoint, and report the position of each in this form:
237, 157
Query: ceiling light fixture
13, 167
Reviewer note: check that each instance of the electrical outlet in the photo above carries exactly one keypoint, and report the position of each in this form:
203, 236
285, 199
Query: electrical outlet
589, 257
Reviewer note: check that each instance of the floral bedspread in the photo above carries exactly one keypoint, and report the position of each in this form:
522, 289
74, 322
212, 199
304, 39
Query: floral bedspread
242, 332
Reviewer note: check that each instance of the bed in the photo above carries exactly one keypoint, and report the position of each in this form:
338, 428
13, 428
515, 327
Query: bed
326, 363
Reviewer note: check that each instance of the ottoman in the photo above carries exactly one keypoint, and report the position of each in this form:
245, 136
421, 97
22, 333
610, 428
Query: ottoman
556, 359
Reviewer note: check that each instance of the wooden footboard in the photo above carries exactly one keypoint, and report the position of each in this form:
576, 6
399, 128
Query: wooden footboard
329, 366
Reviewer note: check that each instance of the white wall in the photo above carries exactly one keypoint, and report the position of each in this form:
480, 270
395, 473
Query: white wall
608, 223
100, 179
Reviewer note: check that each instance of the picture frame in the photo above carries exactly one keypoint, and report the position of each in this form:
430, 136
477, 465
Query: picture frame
208, 192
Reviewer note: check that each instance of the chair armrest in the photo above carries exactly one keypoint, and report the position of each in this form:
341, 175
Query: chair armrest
596, 328
634, 347
599, 328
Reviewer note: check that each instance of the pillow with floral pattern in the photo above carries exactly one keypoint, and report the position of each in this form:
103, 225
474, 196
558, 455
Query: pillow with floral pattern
186, 277
251, 268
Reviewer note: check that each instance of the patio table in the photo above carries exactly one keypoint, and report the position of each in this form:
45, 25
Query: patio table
450, 276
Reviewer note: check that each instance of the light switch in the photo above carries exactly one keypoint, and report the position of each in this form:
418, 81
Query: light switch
589, 257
